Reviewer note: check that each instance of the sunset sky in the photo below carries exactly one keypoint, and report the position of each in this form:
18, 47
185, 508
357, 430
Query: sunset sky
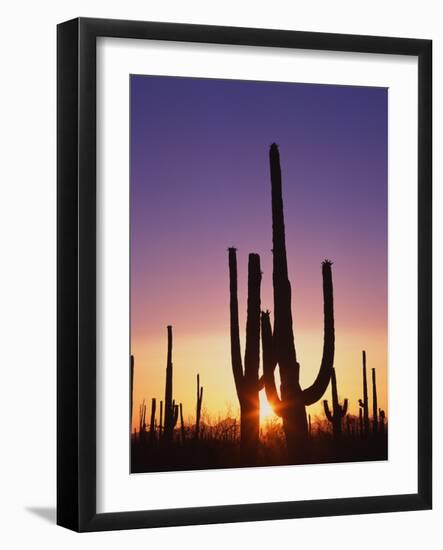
200, 183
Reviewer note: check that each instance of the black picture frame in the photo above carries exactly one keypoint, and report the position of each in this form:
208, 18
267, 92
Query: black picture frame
76, 274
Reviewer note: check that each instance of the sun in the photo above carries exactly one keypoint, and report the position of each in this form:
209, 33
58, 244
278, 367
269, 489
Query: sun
266, 412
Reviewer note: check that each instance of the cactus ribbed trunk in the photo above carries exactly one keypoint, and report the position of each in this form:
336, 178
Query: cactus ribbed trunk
246, 380
182, 424
198, 407
160, 428
365, 397
168, 390
152, 422
374, 404
279, 347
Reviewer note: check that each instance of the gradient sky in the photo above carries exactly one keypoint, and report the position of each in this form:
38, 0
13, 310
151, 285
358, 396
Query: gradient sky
200, 183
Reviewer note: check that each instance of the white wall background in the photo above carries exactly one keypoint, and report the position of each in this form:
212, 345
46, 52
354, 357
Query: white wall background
27, 275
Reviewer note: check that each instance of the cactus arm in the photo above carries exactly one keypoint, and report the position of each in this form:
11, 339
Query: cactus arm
252, 351
269, 364
327, 411
314, 393
236, 360
344, 409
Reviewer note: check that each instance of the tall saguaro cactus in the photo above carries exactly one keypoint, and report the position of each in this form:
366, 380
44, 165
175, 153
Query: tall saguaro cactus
364, 403
374, 404
171, 410
278, 346
338, 411
246, 379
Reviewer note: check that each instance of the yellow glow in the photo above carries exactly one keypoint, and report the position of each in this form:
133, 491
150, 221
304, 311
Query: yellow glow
209, 355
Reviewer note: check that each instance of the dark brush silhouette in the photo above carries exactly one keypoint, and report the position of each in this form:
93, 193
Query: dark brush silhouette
152, 422
338, 411
247, 383
374, 403
198, 407
364, 403
278, 346
171, 410
131, 395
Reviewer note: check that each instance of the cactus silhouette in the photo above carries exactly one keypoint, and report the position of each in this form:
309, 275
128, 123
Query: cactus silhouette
198, 407
142, 420
182, 424
381, 414
374, 403
160, 428
152, 422
247, 383
278, 346
338, 411
171, 409
364, 402
309, 425
360, 417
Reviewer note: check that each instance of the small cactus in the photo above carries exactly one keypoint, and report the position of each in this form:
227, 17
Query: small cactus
142, 420
160, 428
198, 407
381, 414
338, 411
152, 423
364, 404
182, 424
171, 409
374, 404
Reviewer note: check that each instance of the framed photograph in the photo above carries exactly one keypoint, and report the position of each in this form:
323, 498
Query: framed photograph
244, 274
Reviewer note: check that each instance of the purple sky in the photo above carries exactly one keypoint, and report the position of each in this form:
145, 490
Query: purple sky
200, 183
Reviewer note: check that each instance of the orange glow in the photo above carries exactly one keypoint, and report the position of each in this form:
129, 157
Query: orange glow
208, 354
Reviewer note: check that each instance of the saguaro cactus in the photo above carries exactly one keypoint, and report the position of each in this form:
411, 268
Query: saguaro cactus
338, 411
160, 428
198, 407
381, 413
182, 424
360, 417
171, 409
364, 404
374, 404
278, 346
152, 423
247, 381
142, 419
